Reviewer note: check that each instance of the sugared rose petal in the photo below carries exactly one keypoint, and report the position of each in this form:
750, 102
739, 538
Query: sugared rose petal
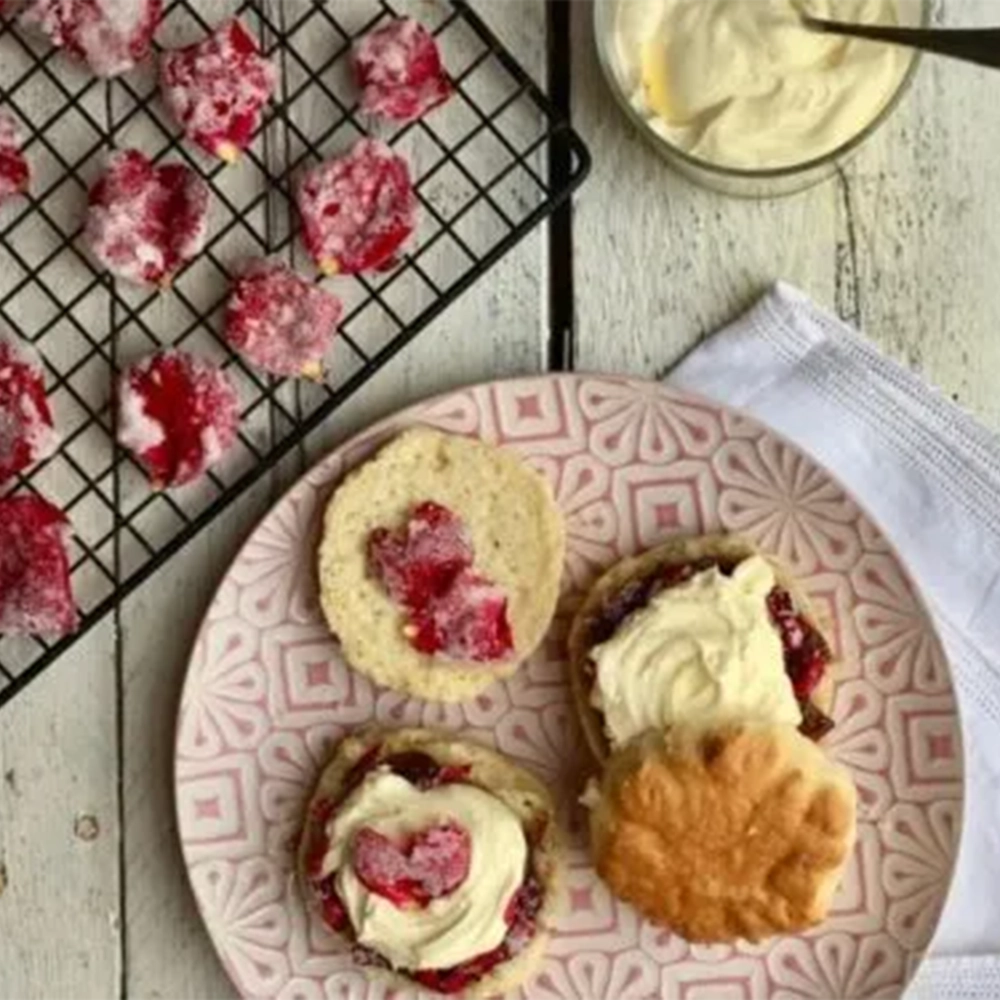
398, 68
110, 36
178, 414
36, 596
15, 174
280, 322
146, 221
431, 864
358, 210
425, 567
26, 431
217, 89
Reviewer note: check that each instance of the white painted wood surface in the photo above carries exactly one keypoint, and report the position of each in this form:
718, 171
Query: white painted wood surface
904, 241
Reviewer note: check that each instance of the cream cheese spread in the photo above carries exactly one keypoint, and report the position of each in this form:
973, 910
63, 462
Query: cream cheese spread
742, 84
450, 930
704, 652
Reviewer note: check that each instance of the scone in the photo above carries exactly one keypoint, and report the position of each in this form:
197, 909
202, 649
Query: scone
741, 832
440, 563
439, 859
700, 629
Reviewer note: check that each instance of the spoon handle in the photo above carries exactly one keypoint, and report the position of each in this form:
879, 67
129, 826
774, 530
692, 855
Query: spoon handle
975, 45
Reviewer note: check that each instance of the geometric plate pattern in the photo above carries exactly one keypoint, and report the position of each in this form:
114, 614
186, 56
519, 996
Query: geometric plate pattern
267, 695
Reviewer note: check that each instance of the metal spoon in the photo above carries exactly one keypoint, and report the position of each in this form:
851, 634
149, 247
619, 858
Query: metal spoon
975, 45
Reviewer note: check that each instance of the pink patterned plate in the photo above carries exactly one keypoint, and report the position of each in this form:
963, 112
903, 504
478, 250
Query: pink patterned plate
267, 696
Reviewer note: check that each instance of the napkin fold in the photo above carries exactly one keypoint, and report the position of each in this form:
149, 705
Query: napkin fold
929, 475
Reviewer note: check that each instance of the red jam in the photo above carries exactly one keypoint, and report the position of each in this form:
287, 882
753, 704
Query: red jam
426, 568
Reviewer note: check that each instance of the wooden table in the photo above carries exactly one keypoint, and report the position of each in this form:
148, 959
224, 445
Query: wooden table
93, 897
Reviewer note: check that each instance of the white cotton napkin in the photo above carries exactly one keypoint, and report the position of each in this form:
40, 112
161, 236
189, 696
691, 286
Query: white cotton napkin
930, 477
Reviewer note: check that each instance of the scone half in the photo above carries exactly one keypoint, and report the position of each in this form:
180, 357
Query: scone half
505, 525
420, 848
737, 833
630, 585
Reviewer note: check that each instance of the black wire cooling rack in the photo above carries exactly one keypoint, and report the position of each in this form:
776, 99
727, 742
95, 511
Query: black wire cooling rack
482, 165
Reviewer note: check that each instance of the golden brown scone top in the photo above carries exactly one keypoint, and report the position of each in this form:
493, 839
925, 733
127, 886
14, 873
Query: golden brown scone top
737, 833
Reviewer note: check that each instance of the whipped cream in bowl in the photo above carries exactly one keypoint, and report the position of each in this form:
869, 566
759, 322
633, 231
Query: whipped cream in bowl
740, 96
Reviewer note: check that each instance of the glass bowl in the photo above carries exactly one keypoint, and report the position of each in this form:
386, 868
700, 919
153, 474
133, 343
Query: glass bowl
750, 183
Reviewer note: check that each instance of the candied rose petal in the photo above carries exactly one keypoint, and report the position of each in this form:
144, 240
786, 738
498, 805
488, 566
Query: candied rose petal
280, 322
15, 173
36, 595
217, 89
110, 36
431, 864
425, 566
467, 622
357, 210
178, 414
398, 68
146, 221
423, 556
26, 429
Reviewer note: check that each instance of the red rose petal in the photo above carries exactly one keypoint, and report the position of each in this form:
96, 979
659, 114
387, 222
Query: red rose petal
280, 322
26, 431
217, 89
468, 622
15, 174
398, 68
423, 557
429, 865
110, 36
178, 414
35, 591
357, 210
146, 221
425, 566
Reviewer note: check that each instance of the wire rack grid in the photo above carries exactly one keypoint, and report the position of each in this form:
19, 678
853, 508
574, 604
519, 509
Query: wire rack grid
481, 164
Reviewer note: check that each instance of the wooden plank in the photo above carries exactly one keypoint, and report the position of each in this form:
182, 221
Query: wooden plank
493, 330
660, 262
58, 830
902, 241
926, 216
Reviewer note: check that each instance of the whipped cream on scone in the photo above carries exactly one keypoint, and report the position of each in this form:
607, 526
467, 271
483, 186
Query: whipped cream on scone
464, 919
438, 859
703, 652
700, 630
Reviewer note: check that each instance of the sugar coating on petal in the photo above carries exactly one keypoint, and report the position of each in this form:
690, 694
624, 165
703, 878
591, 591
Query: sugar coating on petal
111, 36
146, 221
359, 209
216, 89
278, 321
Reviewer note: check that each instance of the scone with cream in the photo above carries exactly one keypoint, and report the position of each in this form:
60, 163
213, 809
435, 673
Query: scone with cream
438, 859
738, 832
701, 631
440, 564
